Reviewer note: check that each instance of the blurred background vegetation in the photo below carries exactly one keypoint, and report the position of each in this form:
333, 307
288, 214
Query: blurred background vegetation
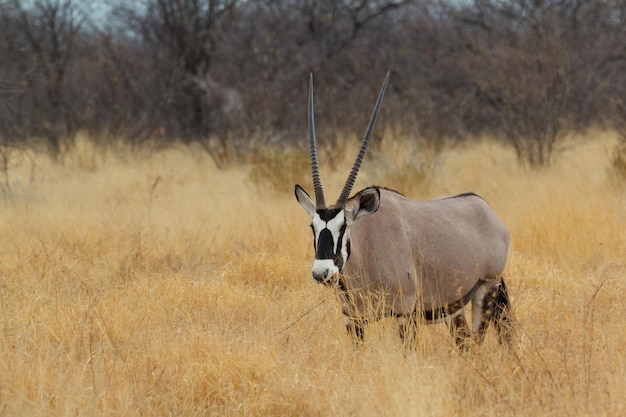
231, 75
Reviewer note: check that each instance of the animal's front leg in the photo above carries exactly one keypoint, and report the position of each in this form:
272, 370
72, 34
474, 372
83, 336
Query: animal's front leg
461, 331
354, 328
407, 325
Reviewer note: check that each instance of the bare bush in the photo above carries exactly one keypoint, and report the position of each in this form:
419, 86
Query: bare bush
617, 169
48, 30
13, 157
276, 170
407, 165
231, 74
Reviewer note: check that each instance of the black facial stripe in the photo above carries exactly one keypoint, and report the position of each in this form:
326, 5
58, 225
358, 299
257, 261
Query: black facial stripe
338, 258
325, 245
328, 214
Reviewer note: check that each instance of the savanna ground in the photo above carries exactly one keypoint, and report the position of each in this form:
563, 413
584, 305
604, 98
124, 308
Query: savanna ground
155, 284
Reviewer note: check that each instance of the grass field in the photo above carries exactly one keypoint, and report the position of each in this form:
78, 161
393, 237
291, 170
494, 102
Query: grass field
155, 284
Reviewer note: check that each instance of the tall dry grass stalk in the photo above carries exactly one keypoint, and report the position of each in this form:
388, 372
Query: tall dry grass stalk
163, 286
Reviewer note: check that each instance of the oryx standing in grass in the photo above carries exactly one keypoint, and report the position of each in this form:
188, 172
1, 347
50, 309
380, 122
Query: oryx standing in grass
416, 260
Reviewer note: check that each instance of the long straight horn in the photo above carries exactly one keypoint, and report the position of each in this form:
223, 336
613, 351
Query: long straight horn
315, 169
345, 194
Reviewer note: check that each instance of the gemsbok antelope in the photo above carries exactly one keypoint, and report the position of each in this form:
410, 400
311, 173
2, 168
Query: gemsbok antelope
387, 255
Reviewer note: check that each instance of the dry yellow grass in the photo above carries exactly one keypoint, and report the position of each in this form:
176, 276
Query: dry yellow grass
158, 285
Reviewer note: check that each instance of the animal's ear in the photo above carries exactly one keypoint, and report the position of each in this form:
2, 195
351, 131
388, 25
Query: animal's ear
367, 202
305, 201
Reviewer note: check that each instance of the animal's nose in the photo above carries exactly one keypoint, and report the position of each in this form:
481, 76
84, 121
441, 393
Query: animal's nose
323, 270
320, 276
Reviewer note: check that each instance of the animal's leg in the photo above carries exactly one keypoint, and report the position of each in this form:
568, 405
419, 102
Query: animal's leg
354, 328
501, 316
491, 304
461, 331
408, 330
482, 309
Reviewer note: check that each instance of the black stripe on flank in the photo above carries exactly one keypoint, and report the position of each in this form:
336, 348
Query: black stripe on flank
441, 312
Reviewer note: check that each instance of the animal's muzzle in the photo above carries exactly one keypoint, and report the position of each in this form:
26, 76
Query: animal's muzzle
320, 277
324, 270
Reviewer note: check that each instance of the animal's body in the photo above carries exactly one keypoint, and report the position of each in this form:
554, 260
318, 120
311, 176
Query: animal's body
428, 258
388, 255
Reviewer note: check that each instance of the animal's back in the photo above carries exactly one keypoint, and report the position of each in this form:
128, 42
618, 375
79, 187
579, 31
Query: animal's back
428, 252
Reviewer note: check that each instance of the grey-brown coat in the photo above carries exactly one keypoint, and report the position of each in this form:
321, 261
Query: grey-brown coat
390, 256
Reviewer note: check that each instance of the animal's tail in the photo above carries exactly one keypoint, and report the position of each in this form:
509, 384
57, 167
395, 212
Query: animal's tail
501, 316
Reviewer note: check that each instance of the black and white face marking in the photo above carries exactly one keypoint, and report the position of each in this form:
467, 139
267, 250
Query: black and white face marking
332, 244
331, 232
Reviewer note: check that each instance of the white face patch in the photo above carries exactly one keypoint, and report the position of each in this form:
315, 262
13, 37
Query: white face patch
333, 225
324, 270
324, 266
318, 225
